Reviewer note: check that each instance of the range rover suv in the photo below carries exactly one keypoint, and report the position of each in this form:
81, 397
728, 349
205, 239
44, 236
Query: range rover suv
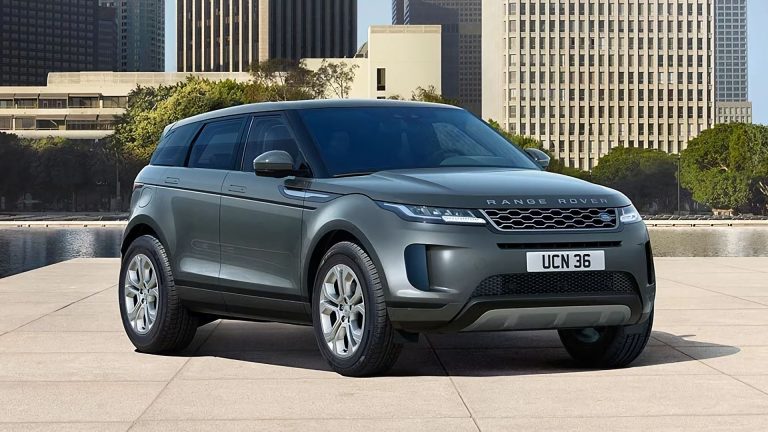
374, 222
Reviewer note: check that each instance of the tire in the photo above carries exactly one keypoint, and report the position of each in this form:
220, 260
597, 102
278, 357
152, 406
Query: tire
173, 326
374, 351
607, 347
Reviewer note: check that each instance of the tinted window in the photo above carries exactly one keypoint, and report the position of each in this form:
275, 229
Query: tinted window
266, 134
173, 148
216, 146
362, 140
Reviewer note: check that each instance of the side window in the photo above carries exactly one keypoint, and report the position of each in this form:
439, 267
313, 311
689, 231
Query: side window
266, 134
216, 147
173, 148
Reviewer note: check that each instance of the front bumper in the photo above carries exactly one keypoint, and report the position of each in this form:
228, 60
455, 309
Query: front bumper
431, 272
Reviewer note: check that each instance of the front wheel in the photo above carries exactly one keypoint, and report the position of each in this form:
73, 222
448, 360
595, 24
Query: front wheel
607, 347
349, 314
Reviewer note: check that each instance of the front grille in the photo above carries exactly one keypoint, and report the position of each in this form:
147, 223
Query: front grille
551, 219
557, 283
561, 245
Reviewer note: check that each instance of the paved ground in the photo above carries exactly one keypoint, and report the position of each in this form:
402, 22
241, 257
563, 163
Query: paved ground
65, 364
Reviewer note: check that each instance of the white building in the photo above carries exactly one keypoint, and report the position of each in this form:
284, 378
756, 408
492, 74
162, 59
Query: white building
395, 61
587, 76
80, 105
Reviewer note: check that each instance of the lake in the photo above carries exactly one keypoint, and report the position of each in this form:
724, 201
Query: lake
23, 249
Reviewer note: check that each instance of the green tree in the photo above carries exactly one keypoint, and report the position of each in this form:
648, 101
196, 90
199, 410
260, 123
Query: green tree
14, 168
648, 177
430, 94
726, 167
283, 80
555, 165
336, 78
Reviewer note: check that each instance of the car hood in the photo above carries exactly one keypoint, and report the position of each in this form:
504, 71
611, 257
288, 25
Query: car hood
475, 188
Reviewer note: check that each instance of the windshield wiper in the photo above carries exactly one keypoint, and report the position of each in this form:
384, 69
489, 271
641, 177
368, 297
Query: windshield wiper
354, 174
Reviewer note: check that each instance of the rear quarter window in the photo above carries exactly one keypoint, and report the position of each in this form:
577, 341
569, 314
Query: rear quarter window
174, 146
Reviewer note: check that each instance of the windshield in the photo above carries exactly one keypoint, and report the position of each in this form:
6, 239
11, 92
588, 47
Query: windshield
354, 141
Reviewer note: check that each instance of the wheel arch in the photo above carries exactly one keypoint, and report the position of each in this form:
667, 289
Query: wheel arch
332, 233
137, 227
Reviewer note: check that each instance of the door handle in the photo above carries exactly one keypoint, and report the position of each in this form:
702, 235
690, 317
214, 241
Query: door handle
172, 180
236, 189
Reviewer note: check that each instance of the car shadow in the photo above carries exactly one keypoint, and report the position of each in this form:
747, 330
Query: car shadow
463, 354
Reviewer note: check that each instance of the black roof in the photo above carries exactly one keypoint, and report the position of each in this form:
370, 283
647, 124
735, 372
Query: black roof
305, 104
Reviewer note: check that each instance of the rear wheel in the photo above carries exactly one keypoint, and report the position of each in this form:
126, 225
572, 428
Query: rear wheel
349, 315
607, 347
153, 316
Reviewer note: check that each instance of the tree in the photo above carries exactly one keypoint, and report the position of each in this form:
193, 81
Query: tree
648, 177
726, 167
336, 78
283, 80
430, 94
555, 165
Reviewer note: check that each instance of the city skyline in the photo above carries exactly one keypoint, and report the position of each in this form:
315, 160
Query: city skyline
380, 12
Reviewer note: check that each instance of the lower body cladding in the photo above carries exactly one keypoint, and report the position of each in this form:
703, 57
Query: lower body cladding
484, 281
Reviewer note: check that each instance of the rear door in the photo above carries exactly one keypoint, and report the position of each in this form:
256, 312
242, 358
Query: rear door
261, 224
196, 202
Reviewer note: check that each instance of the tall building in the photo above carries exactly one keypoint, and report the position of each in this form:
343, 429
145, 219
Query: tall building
230, 35
584, 77
106, 43
141, 34
461, 22
42, 36
731, 81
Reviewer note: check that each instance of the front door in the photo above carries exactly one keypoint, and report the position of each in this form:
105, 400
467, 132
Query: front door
260, 226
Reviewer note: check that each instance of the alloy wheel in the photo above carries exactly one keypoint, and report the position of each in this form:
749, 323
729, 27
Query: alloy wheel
142, 294
342, 311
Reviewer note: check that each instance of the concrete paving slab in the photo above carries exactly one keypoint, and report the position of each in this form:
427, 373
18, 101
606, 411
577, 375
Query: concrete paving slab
379, 425
747, 361
66, 364
733, 337
62, 342
308, 399
575, 396
75, 401
655, 360
123, 366
65, 427
630, 424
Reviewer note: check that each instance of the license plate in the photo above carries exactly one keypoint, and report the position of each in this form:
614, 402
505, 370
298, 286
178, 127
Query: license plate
565, 261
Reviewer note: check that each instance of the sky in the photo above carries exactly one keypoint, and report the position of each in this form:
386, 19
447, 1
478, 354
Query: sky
380, 12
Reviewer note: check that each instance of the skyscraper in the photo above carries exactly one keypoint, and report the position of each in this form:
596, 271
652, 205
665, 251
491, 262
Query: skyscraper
461, 22
141, 34
230, 35
584, 77
106, 44
731, 81
41, 36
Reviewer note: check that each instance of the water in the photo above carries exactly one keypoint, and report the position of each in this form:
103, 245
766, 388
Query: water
23, 249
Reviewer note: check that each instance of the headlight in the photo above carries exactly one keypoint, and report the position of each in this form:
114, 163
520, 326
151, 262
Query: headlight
629, 215
433, 214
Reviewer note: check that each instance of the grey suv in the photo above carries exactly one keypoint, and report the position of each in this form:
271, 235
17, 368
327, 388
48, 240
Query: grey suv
375, 221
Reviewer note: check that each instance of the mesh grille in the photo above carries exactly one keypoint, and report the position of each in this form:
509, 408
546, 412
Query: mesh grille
552, 219
557, 283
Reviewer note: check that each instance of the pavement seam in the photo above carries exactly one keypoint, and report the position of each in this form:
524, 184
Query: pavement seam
714, 368
54, 311
453, 383
162, 390
715, 292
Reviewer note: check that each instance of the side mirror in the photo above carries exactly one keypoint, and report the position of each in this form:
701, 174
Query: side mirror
274, 163
538, 156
